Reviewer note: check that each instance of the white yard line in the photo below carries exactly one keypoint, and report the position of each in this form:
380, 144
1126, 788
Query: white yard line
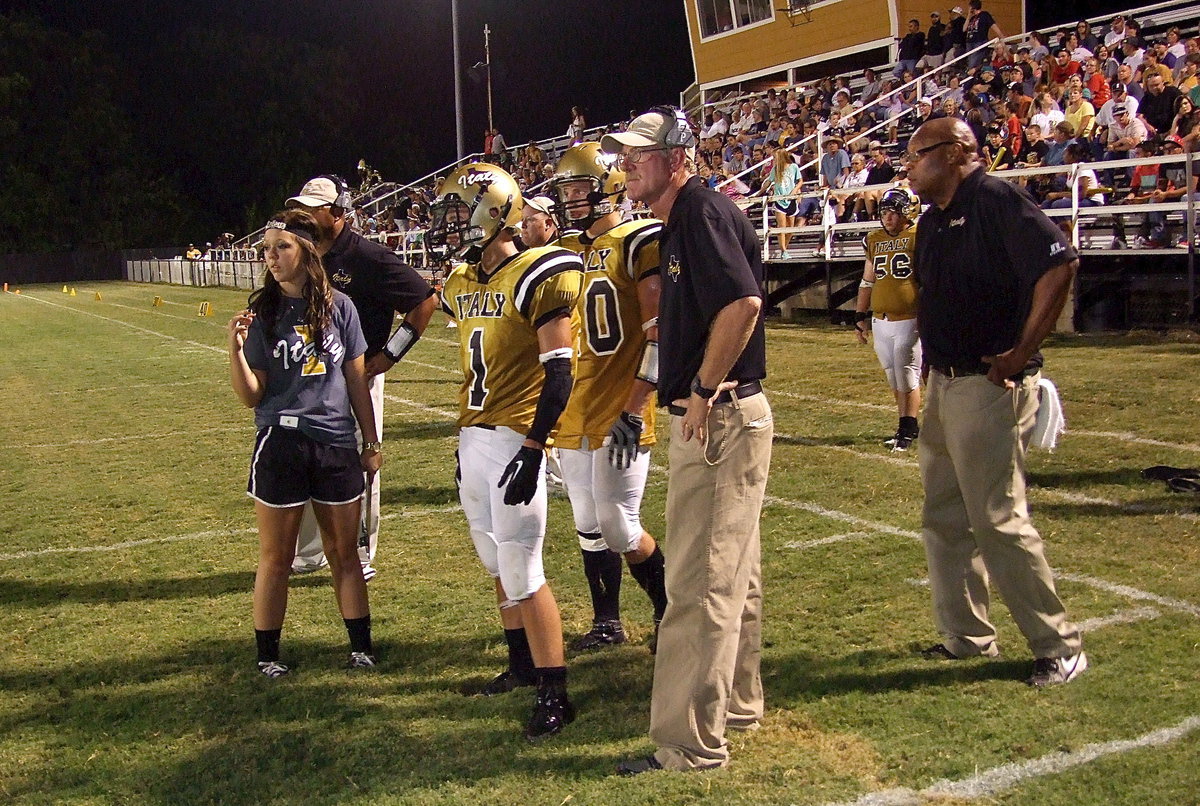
1120, 617
412, 511
992, 782
123, 387
1125, 436
127, 438
144, 330
825, 541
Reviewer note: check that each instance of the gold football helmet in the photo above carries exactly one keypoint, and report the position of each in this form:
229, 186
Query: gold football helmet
473, 206
900, 200
586, 162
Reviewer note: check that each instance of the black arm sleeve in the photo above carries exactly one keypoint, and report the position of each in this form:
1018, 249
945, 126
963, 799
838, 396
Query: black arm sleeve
556, 390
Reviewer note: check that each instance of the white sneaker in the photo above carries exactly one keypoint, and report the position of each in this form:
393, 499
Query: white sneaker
1052, 671
302, 567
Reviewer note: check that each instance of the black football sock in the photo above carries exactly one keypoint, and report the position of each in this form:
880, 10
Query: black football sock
909, 427
649, 573
520, 658
359, 630
552, 677
603, 571
268, 645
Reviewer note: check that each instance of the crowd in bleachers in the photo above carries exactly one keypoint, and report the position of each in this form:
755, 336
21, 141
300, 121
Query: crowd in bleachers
1073, 96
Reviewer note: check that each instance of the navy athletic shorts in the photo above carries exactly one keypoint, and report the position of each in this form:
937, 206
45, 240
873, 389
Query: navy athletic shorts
786, 206
289, 469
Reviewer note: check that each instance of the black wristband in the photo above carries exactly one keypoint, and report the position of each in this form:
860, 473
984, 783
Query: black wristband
861, 316
703, 391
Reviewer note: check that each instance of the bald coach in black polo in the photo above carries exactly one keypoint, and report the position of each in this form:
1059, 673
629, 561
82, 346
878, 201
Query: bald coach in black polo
993, 274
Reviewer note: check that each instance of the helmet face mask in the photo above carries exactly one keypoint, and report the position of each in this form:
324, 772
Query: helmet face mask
586, 163
901, 202
474, 205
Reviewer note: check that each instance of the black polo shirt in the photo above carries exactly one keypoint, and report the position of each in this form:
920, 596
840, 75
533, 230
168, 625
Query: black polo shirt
709, 257
977, 262
379, 283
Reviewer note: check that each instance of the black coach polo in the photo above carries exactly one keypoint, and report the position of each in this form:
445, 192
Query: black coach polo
378, 282
977, 262
709, 257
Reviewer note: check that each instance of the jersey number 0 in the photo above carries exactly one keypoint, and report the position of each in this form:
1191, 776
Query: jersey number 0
603, 314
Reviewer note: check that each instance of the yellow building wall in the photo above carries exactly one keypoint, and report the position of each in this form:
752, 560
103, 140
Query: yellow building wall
841, 25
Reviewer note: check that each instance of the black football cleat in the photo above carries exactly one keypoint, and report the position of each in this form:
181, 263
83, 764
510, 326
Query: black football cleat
602, 634
506, 681
552, 711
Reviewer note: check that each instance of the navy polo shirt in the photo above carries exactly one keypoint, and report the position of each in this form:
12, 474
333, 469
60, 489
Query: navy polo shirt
709, 257
977, 262
377, 281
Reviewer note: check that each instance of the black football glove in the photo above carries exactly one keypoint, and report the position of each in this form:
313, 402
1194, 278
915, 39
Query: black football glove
521, 476
624, 440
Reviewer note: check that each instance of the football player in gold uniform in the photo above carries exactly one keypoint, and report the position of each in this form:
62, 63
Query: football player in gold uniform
605, 434
515, 322
889, 290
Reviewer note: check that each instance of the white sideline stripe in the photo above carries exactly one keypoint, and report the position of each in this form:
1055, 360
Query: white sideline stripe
824, 541
123, 323
101, 440
1120, 617
1129, 592
1122, 436
127, 386
1125, 436
844, 517
1007, 776
450, 415
199, 319
22, 555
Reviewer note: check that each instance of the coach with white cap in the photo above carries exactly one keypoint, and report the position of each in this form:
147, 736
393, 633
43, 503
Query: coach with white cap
712, 359
380, 285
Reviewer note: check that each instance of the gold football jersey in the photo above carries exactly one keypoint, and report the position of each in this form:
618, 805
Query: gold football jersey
891, 256
609, 342
498, 315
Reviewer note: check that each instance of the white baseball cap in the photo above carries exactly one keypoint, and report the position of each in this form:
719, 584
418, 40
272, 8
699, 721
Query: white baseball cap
316, 193
649, 129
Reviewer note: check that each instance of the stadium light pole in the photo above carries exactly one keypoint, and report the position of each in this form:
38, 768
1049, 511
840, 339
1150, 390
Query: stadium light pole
458, 110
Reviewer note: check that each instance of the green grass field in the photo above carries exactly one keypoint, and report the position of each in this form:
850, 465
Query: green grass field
126, 672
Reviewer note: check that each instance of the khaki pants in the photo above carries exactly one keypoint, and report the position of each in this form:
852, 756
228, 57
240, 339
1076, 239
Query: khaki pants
976, 523
706, 672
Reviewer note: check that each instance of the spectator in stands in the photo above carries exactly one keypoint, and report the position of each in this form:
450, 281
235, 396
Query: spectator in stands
1064, 67
872, 87
1078, 52
879, 172
1132, 54
1116, 32
1083, 30
935, 43
1125, 133
719, 126
784, 182
1033, 148
737, 161
1157, 107
1095, 82
1176, 49
847, 205
1107, 114
1038, 49
1184, 121
1108, 65
1089, 186
912, 48
1016, 94
1144, 185
1133, 30
955, 38
835, 164
1079, 113
996, 155
991, 81
1152, 66
577, 126
980, 28
1048, 114
1062, 135
950, 108
1188, 67
499, 149
1014, 127
1176, 187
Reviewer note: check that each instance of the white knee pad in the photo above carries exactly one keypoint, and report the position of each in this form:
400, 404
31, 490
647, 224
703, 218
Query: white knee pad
898, 346
621, 528
521, 572
485, 547
618, 495
589, 543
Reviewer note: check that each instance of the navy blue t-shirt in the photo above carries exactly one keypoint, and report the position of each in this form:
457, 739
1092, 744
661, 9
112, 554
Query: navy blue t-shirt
301, 382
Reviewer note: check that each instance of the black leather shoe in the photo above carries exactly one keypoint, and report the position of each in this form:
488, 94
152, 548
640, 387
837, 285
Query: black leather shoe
505, 682
1184, 484
1166, 473
603, 634
552, 711
637, 766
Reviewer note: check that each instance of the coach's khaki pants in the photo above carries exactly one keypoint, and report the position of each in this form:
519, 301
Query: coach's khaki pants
976, 522
706, 672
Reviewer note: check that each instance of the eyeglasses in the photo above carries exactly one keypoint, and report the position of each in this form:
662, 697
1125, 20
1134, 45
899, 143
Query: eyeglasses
638, 156
916, 156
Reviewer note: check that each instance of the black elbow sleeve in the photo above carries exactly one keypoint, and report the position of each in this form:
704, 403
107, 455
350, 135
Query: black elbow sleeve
556, 391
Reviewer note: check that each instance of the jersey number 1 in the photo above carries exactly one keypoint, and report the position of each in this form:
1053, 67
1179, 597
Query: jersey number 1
477, 390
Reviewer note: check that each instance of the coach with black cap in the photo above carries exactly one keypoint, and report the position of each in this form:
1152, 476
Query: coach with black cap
712, 348
380, 285
992, 274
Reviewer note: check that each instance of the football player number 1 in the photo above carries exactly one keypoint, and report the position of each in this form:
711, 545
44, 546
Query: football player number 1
603, 317
477, 391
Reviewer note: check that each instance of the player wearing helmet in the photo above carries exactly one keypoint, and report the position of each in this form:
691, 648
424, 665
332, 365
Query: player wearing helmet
889, 290
605, 434
515, 314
